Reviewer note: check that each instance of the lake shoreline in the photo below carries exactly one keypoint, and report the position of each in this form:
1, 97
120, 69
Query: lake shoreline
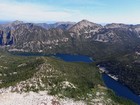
103, 70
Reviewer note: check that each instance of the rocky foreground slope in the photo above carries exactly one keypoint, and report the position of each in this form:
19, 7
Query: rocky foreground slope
49, 81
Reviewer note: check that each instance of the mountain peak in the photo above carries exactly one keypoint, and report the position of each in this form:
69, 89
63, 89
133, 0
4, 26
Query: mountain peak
11, 25
16, 22
84, 24
84, 20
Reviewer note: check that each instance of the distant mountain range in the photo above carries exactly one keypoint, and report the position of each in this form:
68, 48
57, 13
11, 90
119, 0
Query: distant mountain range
69, 37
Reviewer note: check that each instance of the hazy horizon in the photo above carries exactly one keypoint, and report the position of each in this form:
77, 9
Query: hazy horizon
98, 11
53, 22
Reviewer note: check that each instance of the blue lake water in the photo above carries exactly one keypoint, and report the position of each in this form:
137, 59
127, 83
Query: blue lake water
117, 87
74, 58
65, 57
120, 89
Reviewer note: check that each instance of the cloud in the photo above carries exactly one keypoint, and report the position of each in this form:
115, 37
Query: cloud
31, 12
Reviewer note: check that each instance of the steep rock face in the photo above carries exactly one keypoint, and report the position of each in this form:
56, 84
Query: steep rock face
106, 35
7, 32
9, 38
6, 38
1, 37
130, 28
115, 35
34, 38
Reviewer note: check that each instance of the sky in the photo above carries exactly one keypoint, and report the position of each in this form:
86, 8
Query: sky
98, 11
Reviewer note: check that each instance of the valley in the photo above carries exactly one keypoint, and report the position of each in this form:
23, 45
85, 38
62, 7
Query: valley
113, 46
